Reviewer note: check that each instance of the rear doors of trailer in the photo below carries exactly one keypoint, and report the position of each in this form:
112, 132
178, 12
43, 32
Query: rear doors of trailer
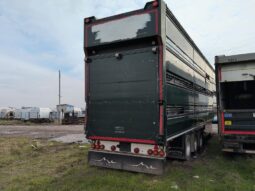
236, 94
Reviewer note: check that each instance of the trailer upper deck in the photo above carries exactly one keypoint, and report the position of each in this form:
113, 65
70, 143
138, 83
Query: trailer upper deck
134, 25
234, 58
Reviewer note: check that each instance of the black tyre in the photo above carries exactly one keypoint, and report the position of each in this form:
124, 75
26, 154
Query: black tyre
200, 141
187, 149
195, 143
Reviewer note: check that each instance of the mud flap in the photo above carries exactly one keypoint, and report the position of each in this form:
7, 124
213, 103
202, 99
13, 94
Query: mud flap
126, 162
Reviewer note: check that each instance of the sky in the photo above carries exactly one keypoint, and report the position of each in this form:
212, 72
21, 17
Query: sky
39, 37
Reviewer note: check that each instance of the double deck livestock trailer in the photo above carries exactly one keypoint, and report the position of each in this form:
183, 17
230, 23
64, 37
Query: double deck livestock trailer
235, 79
149, 90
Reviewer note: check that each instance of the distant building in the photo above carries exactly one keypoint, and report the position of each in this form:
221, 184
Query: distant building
39, 113
53, 114
65, 108
70, 114
33, 114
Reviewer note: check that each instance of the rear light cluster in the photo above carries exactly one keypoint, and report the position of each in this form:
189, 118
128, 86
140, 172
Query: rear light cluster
136, 150
97, 145
113, 148
156, 151
152, 152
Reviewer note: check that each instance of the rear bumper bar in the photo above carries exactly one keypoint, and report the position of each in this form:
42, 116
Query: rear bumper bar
126, 162
238, 144
238, 151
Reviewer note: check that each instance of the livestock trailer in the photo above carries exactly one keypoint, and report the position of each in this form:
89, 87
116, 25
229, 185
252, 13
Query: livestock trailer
235, 79
149, 90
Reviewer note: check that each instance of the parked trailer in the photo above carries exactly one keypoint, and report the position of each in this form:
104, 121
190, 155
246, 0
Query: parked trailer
149, 90
17, 113
235, 78
39, 114
25, 114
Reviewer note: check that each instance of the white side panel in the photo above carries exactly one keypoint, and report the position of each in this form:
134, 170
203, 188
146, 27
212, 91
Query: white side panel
34, 112
199, 61
44, 113
238, 72
179, 65
17, 114
178, 38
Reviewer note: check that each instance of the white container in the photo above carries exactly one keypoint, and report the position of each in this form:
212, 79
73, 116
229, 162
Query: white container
25, 114
39, 113
17, 113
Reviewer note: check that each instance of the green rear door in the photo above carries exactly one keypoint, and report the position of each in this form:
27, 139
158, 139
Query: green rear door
123, 98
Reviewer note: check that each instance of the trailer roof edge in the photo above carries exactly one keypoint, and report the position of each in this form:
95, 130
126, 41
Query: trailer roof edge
234, 58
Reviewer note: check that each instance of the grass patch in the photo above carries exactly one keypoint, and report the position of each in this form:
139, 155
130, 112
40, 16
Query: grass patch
27, 164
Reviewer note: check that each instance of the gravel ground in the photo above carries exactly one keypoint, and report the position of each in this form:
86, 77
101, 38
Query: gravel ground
62, 133
71, 138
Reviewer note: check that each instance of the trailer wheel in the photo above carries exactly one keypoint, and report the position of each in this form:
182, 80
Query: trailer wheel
200, 142
195, 143
187, 149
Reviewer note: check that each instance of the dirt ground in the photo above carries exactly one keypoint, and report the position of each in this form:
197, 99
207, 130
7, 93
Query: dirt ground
59, 133
40, 131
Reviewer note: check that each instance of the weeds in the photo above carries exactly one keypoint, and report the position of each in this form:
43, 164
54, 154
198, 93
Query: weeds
27, 164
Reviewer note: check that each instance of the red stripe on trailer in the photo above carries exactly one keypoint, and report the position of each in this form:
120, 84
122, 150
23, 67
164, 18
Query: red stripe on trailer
219, 73
161, 122
160, 73
161, 108
240, 132
122, 139
222, 122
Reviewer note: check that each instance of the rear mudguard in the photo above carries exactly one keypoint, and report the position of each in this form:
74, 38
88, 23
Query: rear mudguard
127, 162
